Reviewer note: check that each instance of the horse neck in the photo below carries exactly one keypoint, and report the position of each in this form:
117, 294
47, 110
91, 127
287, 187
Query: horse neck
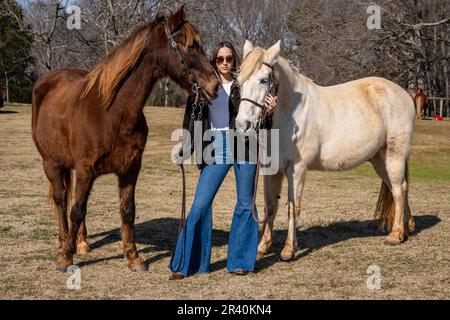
134, 92
293, 92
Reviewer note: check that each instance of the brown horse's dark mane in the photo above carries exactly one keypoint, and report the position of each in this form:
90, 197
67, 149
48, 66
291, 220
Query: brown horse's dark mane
108, 74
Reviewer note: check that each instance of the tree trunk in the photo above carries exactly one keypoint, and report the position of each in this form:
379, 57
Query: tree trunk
6, 81
166, 93
7, 89
445, 71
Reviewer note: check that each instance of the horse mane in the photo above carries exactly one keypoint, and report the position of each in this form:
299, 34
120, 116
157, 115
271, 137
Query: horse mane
251, 64
109, 73
190, 34
254, 60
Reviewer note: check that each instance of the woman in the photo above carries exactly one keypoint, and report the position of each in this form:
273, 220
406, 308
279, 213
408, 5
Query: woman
193, 252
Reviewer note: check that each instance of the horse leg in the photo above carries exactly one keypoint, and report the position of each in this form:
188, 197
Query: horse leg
127, 186
272, 189
82, 245
418, 112
296, 181
58, 194
84, 181
396, 169
379, 165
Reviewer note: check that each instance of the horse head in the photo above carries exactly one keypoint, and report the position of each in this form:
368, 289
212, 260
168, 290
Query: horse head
184, 57
257, 79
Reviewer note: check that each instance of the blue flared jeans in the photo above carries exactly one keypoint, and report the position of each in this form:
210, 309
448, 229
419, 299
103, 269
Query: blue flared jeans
193, 251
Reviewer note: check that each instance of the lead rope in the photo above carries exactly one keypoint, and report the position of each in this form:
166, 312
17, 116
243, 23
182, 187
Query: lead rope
262, 120
182, 226
255, 185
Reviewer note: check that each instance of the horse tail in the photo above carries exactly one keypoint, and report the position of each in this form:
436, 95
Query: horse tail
36, 100
40, 90
409, 218
385, 209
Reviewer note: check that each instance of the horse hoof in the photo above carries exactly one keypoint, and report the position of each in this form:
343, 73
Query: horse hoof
62, 264
83, 248
61, 269
137, 267
260, 255
140, 268
391, 243
411, 227
287, 257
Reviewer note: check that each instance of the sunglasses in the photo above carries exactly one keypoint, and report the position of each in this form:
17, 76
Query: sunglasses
220, 59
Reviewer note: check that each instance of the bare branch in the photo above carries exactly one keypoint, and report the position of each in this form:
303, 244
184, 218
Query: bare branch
426, 24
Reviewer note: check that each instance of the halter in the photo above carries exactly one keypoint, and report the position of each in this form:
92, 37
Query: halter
171, 38
195, 86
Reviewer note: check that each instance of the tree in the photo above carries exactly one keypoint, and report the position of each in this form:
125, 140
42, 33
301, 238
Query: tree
411, 48
15, 55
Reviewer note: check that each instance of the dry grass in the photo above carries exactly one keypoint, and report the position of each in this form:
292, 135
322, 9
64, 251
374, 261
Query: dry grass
338, 239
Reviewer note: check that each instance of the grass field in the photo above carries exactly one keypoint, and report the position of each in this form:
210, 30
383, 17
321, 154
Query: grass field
337, 235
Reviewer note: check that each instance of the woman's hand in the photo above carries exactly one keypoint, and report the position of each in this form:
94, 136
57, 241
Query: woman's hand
270, 104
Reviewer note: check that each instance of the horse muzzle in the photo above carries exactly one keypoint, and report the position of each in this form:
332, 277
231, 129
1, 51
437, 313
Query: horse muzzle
243, 126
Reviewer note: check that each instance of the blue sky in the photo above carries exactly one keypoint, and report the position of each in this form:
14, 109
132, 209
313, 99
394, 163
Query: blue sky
24, 2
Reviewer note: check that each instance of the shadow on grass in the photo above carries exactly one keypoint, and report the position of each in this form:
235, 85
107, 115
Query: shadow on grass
7, 112
315, 238
159, 235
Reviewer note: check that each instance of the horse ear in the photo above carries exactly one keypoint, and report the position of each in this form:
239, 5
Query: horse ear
248, 47
176, 19
273, 52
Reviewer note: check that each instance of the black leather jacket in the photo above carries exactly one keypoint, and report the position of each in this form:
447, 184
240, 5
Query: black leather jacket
233, 108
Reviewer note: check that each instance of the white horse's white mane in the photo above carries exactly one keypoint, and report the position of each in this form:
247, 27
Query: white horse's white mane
253, 62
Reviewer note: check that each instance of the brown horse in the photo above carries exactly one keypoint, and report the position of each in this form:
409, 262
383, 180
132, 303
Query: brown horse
92, 122
420, 102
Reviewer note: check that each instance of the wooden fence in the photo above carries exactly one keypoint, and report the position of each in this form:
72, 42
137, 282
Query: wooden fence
441, 105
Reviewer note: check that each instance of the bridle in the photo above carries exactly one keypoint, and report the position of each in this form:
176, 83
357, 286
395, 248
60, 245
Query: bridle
171, 38
196, 89
272, 89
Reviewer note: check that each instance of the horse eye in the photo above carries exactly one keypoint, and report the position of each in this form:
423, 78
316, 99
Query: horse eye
264, 81
192, 46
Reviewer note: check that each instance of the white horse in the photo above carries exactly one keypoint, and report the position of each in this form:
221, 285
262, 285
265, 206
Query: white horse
330, 128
